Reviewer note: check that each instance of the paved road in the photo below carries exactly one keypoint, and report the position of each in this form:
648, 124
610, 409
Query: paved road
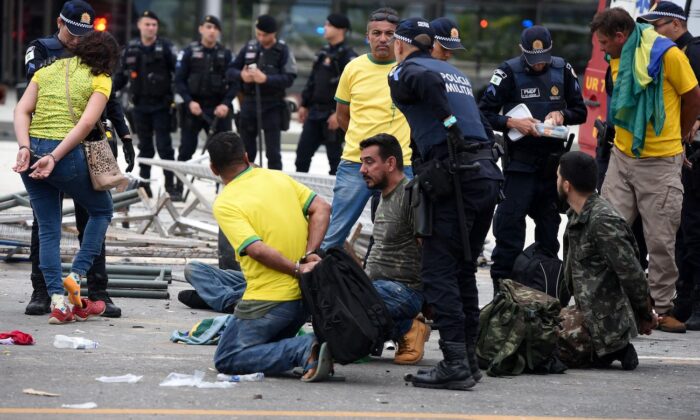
665, 385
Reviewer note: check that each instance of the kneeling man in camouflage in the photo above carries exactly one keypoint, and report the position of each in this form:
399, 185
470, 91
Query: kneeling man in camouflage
602, 272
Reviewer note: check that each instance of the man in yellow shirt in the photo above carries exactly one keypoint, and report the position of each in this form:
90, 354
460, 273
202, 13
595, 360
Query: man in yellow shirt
647, 182
364, 109
273, 223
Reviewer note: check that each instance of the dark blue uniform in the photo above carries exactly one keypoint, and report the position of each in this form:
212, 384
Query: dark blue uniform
318, 96
278, 63
688, 240
39, 53
428, 91
531, 162
149, 72
200, 76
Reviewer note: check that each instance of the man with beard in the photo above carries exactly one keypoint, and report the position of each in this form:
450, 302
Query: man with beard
602, 270
393, 263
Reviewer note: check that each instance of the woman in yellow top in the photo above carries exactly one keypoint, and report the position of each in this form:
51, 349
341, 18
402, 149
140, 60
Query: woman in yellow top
48, 136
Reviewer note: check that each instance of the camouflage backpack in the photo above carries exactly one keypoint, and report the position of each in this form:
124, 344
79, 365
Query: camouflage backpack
518, 332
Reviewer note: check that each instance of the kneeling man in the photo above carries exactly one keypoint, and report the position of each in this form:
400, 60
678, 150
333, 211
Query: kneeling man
394, 261
273, 222
602, 270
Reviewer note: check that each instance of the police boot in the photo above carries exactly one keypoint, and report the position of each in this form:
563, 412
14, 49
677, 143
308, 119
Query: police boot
172, 188
97, 290
40, 302
471, 361
693, 323
451, 373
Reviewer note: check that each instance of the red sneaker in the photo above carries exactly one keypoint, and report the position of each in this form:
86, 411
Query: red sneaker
60, 314
90, 308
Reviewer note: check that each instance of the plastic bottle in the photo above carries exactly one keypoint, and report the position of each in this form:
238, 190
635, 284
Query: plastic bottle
555, 131
65, 342
251, 377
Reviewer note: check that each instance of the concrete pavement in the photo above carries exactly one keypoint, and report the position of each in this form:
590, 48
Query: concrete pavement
665, 385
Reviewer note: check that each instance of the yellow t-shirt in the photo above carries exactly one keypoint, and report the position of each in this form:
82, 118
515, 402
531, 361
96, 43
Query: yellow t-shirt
269, 206
365, 87
678, 79
52, 119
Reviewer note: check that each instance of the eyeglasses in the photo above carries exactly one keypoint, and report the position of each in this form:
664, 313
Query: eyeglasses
389, 17
662, 24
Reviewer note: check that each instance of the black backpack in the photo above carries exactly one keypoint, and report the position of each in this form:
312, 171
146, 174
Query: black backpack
540, 269
346, 310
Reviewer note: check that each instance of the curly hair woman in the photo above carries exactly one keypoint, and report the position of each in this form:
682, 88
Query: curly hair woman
52, 162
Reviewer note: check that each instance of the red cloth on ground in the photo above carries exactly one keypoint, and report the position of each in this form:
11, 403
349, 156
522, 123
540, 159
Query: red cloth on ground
20, 338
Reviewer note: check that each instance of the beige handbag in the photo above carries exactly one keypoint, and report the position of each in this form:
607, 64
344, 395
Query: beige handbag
102, 165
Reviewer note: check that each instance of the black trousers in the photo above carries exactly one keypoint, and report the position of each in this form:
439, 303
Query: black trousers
688, 245
527, 194
150, 119
449, 282
271, 125
192, 125
314, 133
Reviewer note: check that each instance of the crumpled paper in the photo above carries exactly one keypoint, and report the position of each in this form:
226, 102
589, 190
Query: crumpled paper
175, 379
128, 378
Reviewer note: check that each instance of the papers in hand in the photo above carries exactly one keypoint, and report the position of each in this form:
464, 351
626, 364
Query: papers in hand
518, 111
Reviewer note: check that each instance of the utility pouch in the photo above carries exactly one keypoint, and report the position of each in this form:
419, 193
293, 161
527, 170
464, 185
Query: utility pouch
421, 209
435, 179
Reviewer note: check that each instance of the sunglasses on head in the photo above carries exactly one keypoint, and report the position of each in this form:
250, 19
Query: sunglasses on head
389, 17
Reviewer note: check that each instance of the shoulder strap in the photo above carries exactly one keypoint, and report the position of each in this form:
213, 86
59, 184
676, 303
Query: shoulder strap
70, 103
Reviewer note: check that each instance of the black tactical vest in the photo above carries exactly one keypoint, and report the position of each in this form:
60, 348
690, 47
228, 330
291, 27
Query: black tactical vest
207, 78
541, 93
327, 70
268, 61
148, 73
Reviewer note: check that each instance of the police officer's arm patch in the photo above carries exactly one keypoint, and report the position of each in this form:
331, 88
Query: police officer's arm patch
498, 76
29, 56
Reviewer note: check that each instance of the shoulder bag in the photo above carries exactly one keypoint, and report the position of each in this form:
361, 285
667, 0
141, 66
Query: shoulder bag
102, 165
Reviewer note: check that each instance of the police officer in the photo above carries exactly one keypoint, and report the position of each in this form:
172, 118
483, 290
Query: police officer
200, 78
438, 102
265, 67
317, 111
548, 86
147, 65
75, 20
670, 20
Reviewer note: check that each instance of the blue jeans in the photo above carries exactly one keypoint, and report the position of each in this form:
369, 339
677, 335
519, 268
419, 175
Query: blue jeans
402, 302
350, 195
267, 344
218, 288
70, 176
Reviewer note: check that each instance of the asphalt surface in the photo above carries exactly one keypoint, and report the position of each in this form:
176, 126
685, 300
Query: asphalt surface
665, 385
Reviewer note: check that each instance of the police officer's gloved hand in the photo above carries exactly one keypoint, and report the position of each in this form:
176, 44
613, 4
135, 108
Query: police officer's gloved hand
129, 154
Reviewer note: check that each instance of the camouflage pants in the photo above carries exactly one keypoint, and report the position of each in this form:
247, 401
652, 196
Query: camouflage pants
575, 343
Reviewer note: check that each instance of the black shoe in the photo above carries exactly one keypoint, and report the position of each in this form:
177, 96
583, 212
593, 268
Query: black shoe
111, 310
629, 358
693, 322
192, 299
40, 302
451, 373
175, 194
